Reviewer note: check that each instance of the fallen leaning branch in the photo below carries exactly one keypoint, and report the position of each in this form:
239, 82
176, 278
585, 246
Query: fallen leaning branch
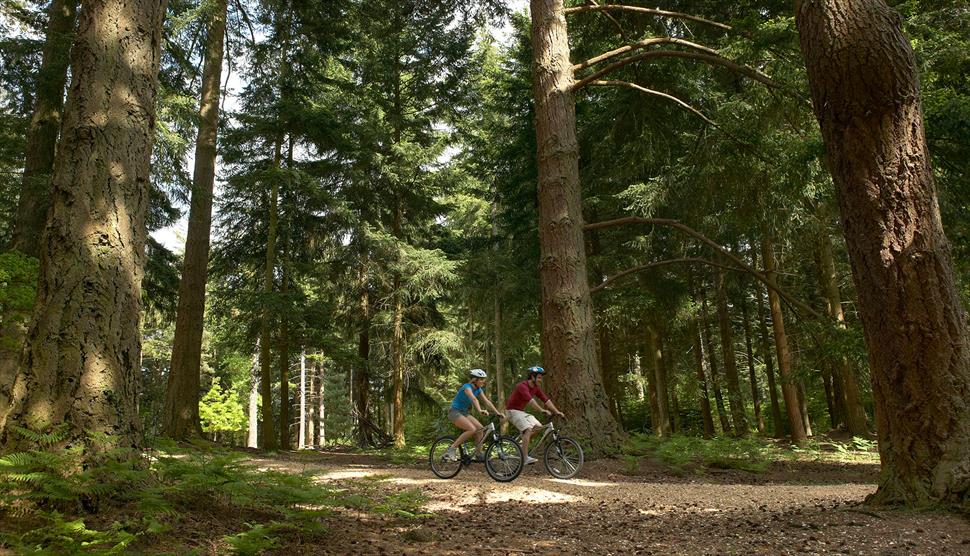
687, 260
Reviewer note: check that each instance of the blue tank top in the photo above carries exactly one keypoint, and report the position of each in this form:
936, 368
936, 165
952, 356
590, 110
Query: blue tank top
461, 401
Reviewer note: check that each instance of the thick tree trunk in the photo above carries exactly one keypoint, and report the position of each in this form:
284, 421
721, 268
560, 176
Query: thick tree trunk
788, 387
855, 414
181, 417
265, 337
738, 415
755, 391
702, 380
84, 350
568, 328
708, 338
31, 216
252, 439
865, 90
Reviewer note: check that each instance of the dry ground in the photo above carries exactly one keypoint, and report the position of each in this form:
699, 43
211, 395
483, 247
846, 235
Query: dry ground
794, 508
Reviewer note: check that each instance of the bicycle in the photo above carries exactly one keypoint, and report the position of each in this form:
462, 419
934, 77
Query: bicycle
563, 456
503, 456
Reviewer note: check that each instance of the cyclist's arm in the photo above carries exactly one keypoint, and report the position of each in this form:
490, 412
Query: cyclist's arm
535, 404
552, 407
471, 396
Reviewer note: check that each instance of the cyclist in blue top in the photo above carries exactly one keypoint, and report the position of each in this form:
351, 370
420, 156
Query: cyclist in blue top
468, 395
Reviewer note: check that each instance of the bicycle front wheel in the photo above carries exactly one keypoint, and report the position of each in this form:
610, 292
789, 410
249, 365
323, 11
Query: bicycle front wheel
441, 466
503, 460
563, 458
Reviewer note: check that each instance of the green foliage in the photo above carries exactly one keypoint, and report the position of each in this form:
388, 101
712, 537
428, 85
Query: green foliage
221, 411
139, 498
18, 288
684, 453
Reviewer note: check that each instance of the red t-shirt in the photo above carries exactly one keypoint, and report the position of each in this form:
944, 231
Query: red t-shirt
522, 394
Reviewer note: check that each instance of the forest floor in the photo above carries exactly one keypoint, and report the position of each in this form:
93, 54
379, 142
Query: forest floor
623, 506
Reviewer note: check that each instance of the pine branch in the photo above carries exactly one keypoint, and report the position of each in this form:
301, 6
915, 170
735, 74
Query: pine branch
714, 59
687, 260
640, 45
687, 106
790, 299
649, 11
611, 18
659, 94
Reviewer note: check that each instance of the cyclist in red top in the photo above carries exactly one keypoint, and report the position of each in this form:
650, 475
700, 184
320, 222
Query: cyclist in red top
525, 394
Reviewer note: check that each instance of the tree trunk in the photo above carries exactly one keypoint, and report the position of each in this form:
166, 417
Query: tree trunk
651, 393
265, 337
738, 415
834, 417
788, 386
638, 377
865, 90
708, 338
31, 216
803, 408
855, 414
313, 392
397, 371
181, 416
83, 351
778, 425
301, 440
284, 363
252, 439
658, 386
755, 392
668, 397
321, 404
702, 380
360, 382
499, 348
568, 328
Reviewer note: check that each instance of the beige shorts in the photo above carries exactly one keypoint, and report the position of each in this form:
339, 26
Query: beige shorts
522, 420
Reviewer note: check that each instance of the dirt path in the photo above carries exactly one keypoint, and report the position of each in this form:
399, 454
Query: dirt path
801, 508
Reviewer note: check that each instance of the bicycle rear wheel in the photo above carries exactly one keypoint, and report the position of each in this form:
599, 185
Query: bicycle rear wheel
440, 466
563, 458
503, 460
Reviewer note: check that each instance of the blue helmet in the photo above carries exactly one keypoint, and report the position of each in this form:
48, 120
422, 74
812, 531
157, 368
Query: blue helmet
537, 370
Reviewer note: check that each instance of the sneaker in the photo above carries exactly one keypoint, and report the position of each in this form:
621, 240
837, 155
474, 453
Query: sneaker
450, 455
529, 460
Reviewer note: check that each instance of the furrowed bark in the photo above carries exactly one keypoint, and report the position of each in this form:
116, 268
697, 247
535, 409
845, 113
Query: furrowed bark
865, 90
568, 328
83, 350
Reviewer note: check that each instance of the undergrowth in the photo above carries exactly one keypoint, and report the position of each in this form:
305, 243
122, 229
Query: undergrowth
50, 504
752, 454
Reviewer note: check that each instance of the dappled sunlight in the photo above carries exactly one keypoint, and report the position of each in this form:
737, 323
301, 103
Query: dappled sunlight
581, 482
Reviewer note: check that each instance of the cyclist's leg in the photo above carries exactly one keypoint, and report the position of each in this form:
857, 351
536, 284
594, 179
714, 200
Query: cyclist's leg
527, 425
479, 434
467, 424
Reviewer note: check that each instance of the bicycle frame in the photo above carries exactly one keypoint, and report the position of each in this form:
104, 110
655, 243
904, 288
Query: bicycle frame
546, 429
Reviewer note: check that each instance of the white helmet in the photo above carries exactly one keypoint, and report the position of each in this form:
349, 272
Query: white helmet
477, 373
